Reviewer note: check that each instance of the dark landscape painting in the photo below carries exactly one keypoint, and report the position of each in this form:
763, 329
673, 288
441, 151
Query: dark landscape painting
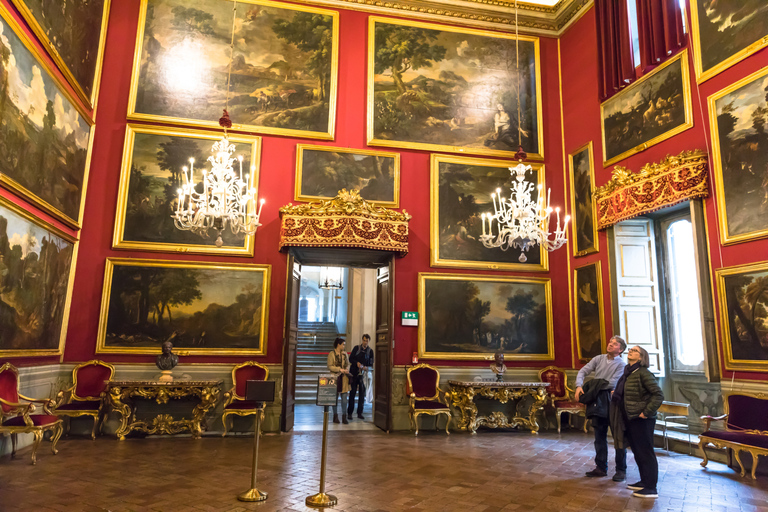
471, 317
44, 139
651, 110
35, 267
151, 177
745, 315
283, 72
724, 29
741, 157
582, 181
200, 308
464, 187
323, 171
435, 87
73, 29
589, 311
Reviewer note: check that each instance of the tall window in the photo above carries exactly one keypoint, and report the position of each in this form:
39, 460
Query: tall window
633, 30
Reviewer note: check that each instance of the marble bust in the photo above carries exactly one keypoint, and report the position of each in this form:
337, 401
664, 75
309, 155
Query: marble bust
498, 367
167, 360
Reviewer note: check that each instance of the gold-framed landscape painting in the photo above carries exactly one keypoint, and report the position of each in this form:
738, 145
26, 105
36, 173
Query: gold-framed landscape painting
151, 174
45, 135
726, 32
467, 316
202, 308
322, 171
738, 115
651, 110
584, 224
443, 88
280, 79
73, 32
37, 272
588, 297
460, 192
743, 297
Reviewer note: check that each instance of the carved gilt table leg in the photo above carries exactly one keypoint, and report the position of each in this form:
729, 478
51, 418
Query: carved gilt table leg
116, 397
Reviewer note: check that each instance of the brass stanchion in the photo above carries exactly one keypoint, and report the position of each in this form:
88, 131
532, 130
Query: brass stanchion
253, 494
321, 499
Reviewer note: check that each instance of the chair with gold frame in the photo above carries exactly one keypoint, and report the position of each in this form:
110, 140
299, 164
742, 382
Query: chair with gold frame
17, 418
561, 396
423, 381
234, 399
87, 395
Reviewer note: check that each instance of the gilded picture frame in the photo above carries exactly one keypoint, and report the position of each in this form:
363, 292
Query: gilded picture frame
745, 344
275, 99
583, 209
644, 119
14, 252
590, 313
350, 168
737, 169
463, 118
73, 136
208, 328
743, 33
521, 310
146, 198
454, 230
87, 92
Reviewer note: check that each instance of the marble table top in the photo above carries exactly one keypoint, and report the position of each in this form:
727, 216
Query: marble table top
505, 384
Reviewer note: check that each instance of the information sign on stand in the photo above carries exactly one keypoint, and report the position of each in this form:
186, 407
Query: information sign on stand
326, 390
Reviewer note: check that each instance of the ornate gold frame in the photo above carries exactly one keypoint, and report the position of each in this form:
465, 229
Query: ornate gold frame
725, 237
466, 356
329, 135
13, 185
434, 229
596, 246
266, 270
683, 58
600, 305
45, 41
371, 140
300, 148
414, 412
118, 241
4, 202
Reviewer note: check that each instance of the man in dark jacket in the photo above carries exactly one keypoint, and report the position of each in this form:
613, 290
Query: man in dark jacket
360, 360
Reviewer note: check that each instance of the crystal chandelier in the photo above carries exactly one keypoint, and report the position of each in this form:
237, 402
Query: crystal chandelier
332, 285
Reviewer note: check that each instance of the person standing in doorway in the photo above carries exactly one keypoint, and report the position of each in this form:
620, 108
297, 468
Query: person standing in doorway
338, 364
360, 360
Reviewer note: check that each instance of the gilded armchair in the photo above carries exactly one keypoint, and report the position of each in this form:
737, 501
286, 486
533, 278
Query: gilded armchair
17, 418
561, 396
423, 381
87, 395
234, 399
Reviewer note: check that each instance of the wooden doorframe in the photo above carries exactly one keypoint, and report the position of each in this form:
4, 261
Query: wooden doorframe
290, 340
385, 321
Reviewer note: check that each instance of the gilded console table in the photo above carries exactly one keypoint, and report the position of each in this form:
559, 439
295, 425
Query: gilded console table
462, 396
121, 393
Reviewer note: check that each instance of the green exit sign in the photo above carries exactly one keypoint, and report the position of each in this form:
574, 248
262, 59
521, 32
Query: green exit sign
409, 318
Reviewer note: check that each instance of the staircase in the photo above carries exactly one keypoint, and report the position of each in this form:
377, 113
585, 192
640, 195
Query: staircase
315, 340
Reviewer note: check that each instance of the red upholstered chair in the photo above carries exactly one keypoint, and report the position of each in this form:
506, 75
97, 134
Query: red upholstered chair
423, 382
560, 395
17, 418
234, 399
87, 395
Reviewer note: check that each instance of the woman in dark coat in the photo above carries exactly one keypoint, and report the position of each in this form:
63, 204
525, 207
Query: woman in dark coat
638, 396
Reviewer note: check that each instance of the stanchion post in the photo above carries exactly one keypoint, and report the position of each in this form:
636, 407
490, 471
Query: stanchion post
326, 393
253, 494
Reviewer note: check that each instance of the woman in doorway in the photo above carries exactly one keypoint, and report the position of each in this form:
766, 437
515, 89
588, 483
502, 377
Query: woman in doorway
338, 364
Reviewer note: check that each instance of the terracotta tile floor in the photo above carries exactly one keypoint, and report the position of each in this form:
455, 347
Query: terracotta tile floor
374, 471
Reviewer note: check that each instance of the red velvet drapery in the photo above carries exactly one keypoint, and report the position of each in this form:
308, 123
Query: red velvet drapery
660, 26
614, 47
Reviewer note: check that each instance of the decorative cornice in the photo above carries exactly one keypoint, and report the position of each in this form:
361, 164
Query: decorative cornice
346, 203
623, 177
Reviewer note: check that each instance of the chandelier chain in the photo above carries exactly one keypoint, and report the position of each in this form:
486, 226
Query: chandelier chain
517, 65
232, 56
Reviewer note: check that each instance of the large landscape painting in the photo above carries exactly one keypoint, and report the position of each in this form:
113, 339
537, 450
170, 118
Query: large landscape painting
651, 110
436, 87
461, 192
590, 331
738, 116
283, 68
582, 202
471, 317
202, 308
36, 266
153, 163
44, 138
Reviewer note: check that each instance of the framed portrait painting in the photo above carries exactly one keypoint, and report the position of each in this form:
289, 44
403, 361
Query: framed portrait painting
443, 88
153, 161
738, 115
590, 325
467, 316
322, 171
584, 225
37, 271
743, 297
651, 110
460, 192
201, 307
280, 78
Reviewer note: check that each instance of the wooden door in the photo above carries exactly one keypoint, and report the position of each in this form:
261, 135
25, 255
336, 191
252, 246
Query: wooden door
290, 339
385, 311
